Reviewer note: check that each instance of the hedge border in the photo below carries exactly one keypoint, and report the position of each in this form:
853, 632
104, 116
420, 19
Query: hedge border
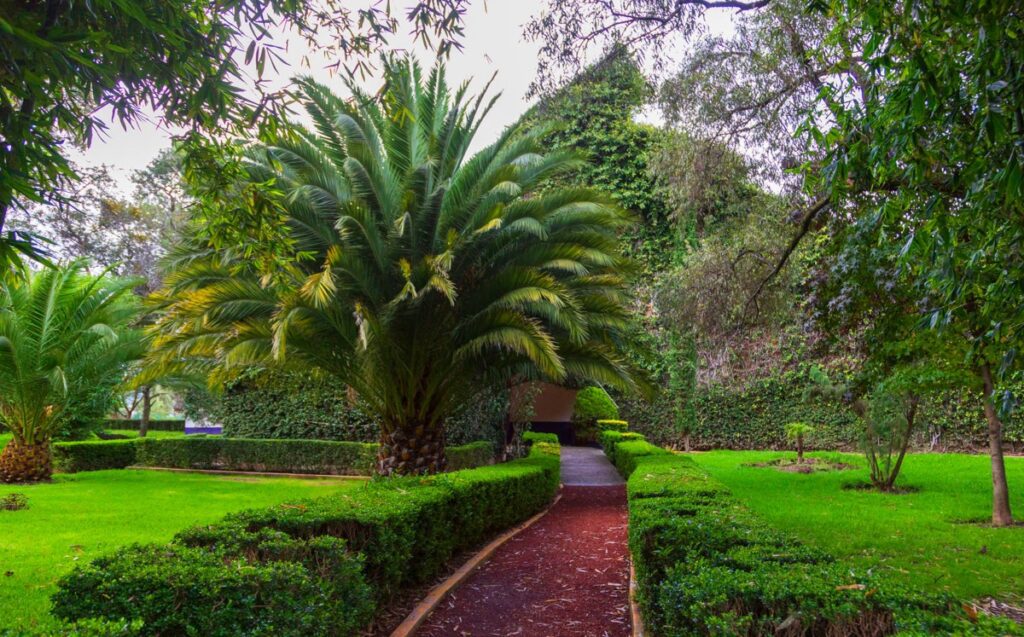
398, 532
706, 565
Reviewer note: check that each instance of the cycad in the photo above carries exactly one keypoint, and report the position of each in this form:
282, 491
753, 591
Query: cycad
431, 273
60, 330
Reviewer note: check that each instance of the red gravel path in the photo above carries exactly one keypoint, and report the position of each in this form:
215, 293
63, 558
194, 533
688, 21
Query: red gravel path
567, 575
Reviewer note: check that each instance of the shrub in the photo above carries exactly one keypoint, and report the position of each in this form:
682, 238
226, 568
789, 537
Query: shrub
303, 568
273, 585
239, 454
13, 502
613, 425
592, 404
532, 437
475, 454
93, 455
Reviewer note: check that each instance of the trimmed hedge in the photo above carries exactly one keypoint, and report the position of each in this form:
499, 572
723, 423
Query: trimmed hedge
475, 454
243, 454
613, 425
93, 455
532, 437
316, 567
155, 424
252, 454
705, 565
754, 417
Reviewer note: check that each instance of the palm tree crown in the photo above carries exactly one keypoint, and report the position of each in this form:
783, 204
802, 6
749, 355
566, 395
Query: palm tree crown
420, 272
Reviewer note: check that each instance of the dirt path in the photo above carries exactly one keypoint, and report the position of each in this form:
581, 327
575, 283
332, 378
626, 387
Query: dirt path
567, 575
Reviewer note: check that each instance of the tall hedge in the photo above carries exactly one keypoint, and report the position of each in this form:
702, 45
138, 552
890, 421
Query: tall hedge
754, 417
288, 405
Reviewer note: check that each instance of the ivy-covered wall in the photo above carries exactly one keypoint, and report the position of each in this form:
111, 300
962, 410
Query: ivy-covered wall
753, 417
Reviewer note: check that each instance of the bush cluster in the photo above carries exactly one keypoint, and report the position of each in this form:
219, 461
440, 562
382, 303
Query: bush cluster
316, 567
93, 455
754, 417
469, 456
592, 404
705, 565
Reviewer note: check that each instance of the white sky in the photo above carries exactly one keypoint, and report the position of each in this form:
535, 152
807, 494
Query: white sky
493, 42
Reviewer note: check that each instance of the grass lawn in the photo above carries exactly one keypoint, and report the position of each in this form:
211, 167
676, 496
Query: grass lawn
918, 537
80, 516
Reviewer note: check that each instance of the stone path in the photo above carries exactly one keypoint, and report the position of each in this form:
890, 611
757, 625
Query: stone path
567, 575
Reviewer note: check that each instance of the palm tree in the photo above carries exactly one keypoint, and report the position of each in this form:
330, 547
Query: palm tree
61, 331
420, 274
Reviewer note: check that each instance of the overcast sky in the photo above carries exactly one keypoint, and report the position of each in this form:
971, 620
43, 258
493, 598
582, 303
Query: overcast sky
493, 43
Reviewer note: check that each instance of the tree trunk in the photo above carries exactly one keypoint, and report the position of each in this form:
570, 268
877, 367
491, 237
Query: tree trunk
911, 415
411, 450
147, 406
1001, 515
25, 462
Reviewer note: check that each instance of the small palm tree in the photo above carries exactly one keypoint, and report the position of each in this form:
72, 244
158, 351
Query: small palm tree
60, 331
421, 274
797, 432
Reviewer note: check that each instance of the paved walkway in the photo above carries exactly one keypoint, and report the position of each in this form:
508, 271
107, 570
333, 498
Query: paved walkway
567, 575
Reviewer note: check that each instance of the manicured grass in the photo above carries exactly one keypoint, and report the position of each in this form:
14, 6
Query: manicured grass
918, 538
80, 516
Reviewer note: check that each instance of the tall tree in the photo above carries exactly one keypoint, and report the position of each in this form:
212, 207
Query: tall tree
418, 272
931, 153
60, 332
62, 63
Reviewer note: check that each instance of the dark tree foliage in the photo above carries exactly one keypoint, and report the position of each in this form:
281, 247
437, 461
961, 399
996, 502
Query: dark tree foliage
64, 65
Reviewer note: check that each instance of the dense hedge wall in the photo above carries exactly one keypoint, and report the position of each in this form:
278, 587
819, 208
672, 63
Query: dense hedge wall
754, 417
705, 565
93, 455
316, 567
475, 454
294, 406
155, 424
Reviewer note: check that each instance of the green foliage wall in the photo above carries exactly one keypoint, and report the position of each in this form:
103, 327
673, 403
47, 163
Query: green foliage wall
274, 404
754, 417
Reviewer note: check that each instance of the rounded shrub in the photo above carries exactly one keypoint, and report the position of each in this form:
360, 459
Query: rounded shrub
592, 404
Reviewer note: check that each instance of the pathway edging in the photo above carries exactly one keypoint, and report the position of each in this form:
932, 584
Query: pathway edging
438, 593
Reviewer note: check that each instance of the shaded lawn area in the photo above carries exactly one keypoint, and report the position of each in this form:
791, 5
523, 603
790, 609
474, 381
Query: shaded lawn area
918, 538
80, 516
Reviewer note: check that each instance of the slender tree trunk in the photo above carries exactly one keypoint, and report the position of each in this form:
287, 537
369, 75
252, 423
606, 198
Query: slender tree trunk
411, 450
147, 407
25, 462
911, 415
1001, 515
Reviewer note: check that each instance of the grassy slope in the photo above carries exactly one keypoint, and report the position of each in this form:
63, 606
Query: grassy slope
913, 537
78, 517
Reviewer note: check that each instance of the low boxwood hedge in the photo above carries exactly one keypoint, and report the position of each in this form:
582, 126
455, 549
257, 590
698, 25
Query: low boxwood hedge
705, 565
93, 455
155, 424
315, 567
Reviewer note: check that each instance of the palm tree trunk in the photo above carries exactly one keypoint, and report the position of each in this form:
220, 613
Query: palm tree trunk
25, 462
411, 450
1001, 515
147, 407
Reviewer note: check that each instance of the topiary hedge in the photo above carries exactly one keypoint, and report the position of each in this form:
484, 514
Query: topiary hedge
93, 455
316, 567
754, 417
705, 565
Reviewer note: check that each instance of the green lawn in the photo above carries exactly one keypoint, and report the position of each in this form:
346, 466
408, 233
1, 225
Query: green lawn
80, 516
917, 537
